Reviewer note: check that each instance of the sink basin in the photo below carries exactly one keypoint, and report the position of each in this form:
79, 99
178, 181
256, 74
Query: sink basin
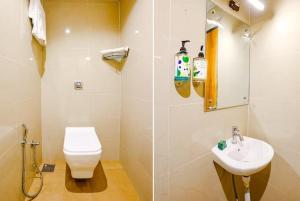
245, 158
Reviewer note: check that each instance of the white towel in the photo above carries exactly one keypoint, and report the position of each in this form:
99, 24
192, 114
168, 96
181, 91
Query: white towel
115, 54
37, 14
120, 50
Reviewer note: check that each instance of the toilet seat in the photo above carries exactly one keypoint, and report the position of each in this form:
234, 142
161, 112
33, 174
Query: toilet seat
81, 140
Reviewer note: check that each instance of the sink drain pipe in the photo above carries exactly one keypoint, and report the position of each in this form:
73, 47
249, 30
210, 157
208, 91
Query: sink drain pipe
234, 188
246, 182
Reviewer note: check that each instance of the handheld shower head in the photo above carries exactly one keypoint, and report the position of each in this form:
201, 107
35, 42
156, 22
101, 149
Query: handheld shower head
25, 131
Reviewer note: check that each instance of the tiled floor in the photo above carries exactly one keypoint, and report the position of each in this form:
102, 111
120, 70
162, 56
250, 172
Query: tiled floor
110, 183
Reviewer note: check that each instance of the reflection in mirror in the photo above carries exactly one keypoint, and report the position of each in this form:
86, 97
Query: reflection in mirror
227, 53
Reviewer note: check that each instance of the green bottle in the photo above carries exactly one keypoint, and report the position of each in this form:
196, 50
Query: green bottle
182, 64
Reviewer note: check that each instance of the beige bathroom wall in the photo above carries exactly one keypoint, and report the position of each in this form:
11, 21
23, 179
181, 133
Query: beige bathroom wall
137, 79
274, 97
184, 133
20, 74
93, 25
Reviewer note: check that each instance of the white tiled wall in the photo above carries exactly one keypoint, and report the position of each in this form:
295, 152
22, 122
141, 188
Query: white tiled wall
275, 99
137, 80
94, 26
184, 134
20, 74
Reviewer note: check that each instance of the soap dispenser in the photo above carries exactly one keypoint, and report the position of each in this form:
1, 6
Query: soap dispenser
200, 67
182, 63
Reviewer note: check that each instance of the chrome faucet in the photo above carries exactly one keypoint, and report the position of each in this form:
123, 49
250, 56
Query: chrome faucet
24, 140
236, 135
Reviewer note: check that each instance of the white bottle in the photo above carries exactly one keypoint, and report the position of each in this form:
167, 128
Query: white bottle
200, 67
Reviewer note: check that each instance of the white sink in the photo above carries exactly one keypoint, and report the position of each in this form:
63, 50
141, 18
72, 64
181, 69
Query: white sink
244, 158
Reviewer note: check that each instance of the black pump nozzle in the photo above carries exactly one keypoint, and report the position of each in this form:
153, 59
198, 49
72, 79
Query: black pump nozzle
183, 49
201, 53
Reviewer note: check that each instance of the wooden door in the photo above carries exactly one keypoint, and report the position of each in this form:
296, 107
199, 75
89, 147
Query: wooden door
212, 63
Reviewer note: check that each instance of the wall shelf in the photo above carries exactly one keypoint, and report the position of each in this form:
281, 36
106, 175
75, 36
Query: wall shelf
117, 54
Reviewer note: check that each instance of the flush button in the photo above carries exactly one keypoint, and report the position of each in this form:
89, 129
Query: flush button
78, 85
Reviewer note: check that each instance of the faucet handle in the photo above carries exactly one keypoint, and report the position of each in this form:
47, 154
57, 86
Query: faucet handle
235, 128
236, 134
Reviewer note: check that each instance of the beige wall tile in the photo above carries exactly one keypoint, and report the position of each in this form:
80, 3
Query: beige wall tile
274, 108
184, 134
137, 79
20, 100
274, 111
193, 134
98, 104
196, 180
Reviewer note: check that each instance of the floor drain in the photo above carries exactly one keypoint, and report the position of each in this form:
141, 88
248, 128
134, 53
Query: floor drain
48, 167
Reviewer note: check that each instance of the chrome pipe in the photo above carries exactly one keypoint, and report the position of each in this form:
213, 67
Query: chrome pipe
33, 146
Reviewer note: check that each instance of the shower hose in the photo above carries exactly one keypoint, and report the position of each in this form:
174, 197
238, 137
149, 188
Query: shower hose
35, 166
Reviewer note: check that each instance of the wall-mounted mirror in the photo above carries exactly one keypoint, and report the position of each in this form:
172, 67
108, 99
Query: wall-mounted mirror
228, 56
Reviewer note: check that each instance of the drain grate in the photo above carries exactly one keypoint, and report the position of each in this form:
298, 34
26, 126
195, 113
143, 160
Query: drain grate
48, 167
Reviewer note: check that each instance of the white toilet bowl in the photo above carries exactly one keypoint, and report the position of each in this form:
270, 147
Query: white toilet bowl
82, 151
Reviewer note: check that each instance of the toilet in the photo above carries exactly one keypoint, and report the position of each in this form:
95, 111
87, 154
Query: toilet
82, 150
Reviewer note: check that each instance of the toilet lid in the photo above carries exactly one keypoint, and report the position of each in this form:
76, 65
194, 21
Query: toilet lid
81, 139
